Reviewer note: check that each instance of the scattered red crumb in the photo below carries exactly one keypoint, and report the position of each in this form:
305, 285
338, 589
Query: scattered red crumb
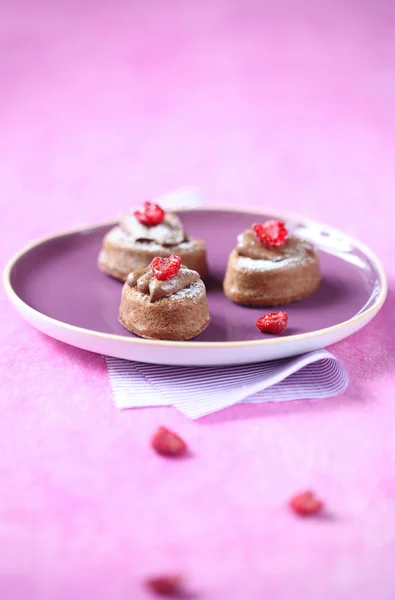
273, 322
168, 443
150, 214
165, 585
165, 268
272, 234
306, 504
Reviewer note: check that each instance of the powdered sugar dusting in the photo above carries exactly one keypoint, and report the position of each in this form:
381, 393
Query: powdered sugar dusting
118, 236
294, 252
250, 264
170, 231
121, 238
195, 290
250, 246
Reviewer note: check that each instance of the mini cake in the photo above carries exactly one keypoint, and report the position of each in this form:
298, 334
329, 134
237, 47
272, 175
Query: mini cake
165, 301
268, 267
144, 234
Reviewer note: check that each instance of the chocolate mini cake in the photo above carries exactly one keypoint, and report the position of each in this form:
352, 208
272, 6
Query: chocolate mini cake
164, 301
144, 234
268, 267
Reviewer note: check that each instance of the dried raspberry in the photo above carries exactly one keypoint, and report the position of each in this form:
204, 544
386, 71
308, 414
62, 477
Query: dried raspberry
168, 443
165, 268
306, 504
165, 585
272, 234
273, 322
150, 214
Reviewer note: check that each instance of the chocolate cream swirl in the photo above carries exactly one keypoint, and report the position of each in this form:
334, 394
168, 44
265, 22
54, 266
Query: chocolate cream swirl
250, 246
168, 233
146, 282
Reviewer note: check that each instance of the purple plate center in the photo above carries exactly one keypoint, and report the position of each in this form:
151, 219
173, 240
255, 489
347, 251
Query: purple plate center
60, 279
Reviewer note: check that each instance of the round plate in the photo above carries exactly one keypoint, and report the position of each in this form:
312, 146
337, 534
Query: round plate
56, 286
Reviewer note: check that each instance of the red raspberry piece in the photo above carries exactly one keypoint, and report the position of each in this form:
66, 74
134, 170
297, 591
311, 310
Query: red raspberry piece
272, 234
168, 443
165, 585
306, 504
273, 322
165, 268
150, 214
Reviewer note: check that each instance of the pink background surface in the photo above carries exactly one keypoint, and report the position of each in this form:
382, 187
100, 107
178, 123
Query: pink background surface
287, 105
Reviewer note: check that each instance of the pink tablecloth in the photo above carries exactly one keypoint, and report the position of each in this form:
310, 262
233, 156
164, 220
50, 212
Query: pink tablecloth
288, 105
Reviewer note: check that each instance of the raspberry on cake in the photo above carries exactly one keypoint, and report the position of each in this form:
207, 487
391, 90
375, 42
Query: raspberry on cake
165, 301
150, 214
270, 267
272, 234
147, 233
165, 268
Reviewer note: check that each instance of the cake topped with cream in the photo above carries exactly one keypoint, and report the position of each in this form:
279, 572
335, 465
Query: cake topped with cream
145, 233
269, 267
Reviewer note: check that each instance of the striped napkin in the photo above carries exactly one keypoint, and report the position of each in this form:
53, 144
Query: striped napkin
199, 391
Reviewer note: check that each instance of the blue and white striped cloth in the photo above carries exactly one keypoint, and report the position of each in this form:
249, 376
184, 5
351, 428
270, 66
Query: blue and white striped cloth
199, 391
